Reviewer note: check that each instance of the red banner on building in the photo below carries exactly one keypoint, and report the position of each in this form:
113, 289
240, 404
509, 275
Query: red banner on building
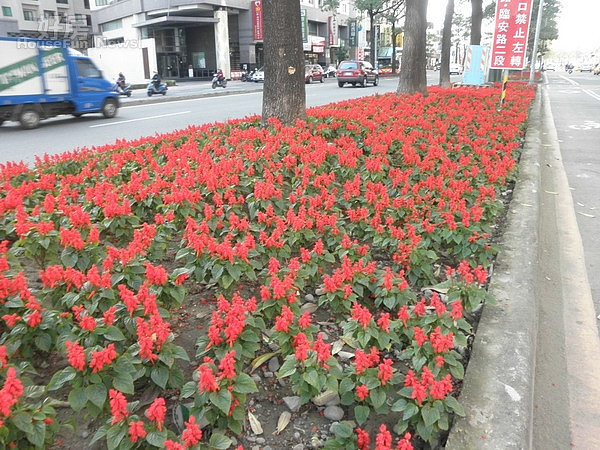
510, 34
257, 20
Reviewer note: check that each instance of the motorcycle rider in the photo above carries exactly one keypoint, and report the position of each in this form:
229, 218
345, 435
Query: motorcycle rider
156, 80
121, 82
220, 76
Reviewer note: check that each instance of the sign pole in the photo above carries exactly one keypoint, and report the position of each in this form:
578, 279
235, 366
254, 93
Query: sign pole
504, 83
535, 42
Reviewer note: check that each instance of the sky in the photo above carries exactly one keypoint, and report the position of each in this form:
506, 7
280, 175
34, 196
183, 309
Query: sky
578, 23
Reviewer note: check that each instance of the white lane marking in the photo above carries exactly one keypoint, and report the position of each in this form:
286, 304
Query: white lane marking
137, 120
592, 94
587, 125
145, 105
574, 83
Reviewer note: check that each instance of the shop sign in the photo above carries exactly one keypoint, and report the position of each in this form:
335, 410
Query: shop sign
257, 20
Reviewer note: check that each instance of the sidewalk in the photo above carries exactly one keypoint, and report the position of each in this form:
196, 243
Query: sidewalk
533, 380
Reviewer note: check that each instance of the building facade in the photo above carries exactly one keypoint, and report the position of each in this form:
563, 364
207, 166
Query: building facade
68, 20
193, 38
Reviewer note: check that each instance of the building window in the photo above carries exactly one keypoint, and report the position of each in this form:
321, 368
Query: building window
101, 2
112, 25
30, 14
6, 11
86, 4
64, 2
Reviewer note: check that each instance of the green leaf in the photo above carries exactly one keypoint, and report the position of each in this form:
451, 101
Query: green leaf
453, 404
234, 271
288, 367
157, 438
114, 437
430, 415
244, 384
312, 378
221, 399
43, 341
61, 377
96, 393
38, 434
160, 376
77, 399
22, 421
113, 333
343, 429
377, 397
361, 413
346, 385
189, 389
123, 382
219, 441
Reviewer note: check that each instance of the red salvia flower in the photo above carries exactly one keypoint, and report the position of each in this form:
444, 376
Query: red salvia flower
118, 406
192, 433
136, 431
156, 412
75, 355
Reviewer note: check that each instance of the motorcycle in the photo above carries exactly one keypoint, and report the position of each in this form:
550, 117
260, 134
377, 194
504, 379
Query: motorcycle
247, 76
219, 80
155, 87
126, 90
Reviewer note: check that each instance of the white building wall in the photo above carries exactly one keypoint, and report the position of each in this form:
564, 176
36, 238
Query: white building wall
127, 58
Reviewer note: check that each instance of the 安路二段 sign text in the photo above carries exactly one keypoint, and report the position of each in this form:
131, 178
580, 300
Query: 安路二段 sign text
511, 29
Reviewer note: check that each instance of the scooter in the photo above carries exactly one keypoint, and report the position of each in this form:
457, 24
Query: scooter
156, 88
247, 75
217, 81
123, 91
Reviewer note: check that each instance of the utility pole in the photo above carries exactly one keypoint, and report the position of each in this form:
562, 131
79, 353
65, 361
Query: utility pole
535, 42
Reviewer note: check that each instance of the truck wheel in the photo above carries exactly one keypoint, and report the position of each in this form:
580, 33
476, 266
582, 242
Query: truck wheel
109, 109
29, 118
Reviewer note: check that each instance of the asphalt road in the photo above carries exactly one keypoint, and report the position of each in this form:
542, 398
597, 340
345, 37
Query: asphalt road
575, 103
188, 103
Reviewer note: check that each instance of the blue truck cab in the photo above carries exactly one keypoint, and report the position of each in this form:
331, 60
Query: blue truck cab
46, 78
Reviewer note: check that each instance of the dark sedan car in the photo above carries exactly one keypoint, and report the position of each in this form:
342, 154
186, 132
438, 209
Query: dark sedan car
357, 72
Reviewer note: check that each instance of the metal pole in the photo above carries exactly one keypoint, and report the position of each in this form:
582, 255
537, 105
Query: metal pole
535, 42
504, 84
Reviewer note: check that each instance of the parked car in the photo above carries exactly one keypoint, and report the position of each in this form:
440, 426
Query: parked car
258, 76
311, 73
330, 71
357, 72
549, 67
587, 67
456, 69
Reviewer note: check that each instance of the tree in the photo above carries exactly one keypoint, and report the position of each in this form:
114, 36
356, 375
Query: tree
373, 8
330, 5
548, 28
476, 19
413, 76
393, 16
284, 94
446, 44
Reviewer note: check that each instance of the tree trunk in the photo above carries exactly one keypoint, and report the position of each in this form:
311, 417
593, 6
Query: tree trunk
284, 95
413, 74
476, 18
446, 45
373, 44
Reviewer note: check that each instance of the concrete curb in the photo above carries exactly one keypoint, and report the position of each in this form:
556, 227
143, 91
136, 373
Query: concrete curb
498, 388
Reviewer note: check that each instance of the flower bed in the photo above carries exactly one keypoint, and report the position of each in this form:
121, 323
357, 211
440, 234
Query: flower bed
383, 207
